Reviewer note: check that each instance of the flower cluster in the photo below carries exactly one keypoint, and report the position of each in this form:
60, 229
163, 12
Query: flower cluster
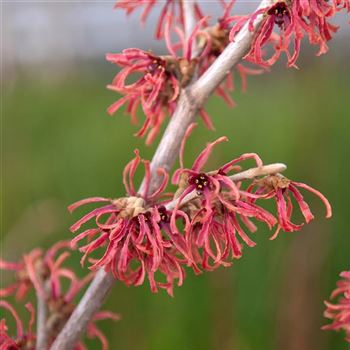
159, 80
157, 89
23, 339
339, 313
138, 239
210, 217
202, 225
286, 22
44, 273
154, 82
47, 275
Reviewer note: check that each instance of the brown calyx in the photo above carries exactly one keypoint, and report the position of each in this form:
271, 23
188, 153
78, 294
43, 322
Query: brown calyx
187, 69
130, 206
273, 182
182, 185
41, 270
60, 312
171, 64
180, 68
219, 39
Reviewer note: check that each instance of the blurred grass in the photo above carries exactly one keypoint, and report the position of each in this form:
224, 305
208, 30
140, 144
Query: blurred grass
61, 146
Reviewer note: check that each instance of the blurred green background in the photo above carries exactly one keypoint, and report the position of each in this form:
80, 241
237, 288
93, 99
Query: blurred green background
60, 146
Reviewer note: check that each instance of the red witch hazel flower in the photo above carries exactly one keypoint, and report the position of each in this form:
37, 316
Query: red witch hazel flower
339, 313
25, 274
23, 339
293, 20
217, 206
207, 184
283, 189
36, 269
212, 234
134, 233
158, 87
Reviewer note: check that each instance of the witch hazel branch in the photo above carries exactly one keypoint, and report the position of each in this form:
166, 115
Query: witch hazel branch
155, 235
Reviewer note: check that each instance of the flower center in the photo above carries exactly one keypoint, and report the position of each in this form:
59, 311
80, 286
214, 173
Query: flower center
281, 14
201, 181
164, 216
155, 66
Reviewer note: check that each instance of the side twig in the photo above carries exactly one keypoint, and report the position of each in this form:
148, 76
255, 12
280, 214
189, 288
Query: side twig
41, 341
189, 16
252, 173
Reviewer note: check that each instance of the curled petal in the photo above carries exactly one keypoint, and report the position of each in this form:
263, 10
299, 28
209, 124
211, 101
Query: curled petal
204, 155
319, 195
